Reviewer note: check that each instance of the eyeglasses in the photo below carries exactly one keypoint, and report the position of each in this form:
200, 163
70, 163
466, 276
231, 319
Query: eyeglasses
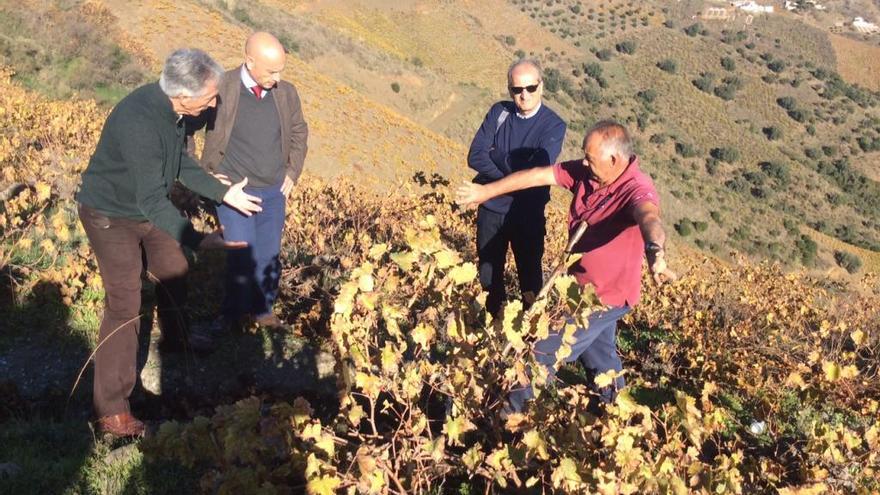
519, 89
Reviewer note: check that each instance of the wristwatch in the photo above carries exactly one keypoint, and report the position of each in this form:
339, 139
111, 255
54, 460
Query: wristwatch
653, 247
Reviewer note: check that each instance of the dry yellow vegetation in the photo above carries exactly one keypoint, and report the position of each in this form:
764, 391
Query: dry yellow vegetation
857, 62
870, 259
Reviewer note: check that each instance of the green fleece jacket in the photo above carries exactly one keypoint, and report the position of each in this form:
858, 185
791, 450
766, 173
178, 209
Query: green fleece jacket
139, 156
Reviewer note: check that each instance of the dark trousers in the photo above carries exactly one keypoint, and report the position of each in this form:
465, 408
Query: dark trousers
524, 232
122, 246
253, 273
595, 347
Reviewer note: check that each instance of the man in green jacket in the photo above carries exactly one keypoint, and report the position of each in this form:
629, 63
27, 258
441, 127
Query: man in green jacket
125, 209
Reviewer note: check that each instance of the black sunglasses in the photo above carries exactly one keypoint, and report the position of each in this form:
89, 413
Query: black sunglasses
519, 89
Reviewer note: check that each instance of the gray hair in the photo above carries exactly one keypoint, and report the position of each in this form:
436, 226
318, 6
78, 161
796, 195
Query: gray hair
615, 138
524, 61
187, 71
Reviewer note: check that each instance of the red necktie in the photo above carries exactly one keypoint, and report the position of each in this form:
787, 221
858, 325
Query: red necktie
258, 91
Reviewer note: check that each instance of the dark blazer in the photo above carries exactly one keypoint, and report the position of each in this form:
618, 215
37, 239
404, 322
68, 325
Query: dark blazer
218, 124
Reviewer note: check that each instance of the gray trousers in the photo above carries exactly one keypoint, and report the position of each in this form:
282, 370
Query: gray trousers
595, 347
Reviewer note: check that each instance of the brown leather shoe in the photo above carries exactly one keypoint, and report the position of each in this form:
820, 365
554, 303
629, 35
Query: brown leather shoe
271, 321
121, 425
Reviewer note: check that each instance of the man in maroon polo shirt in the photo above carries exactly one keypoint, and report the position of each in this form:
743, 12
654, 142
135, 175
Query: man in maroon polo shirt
622, 208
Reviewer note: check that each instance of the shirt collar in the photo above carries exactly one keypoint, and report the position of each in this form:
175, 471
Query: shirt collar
530, 114
247, 80
631, 170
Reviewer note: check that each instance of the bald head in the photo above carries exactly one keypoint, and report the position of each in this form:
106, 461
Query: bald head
264, 58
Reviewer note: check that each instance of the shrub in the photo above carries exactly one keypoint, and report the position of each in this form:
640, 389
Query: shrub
604, 54
729, 155
647, 96
728, 64
395, 86
684, 227
798, 115
773, 133
776, 170
626, 47
509, 40
850, 262
686, 150
668, 65
777, 65
705, 83
694, 29
593, 69
787, 102
712, 166
807, 248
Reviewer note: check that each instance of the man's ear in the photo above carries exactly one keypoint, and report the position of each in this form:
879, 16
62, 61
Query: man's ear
249, 63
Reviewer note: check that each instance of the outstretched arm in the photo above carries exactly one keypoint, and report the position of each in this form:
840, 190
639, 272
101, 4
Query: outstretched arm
470, 194
647, 216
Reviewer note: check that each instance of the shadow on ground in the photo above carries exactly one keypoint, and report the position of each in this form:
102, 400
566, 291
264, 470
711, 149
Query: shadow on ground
47, 445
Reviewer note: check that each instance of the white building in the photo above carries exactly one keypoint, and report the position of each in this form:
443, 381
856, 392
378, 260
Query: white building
752, 7
863, 26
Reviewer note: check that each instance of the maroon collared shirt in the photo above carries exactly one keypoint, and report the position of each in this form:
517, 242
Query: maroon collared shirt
612, 246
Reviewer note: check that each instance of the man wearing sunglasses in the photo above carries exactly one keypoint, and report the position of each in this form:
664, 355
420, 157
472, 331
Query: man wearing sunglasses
515, 135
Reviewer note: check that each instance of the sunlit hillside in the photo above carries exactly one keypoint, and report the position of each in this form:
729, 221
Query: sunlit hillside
756, 372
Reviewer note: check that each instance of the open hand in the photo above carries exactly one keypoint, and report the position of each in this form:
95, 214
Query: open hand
242, 201
215, 240
469, 195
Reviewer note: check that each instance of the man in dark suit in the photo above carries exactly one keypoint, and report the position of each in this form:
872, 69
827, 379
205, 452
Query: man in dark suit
515, 135
256, 133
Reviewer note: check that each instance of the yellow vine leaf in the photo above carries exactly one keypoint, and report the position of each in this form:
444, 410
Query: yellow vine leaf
566, 476
366, 282
533, 440
454, 428
377, 250
390, 359
405, 259
423, 334
325, 485
464, 273
831, 371
816, 489
473, 458
795, 380
606, 379
369, 384
446, 258
858, 337
356, 414
44, 191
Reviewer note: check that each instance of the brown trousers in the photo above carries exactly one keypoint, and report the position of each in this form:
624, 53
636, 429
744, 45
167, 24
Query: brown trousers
123, 247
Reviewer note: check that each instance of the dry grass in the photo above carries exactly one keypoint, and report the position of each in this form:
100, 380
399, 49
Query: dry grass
870, 259
349, 133
857, 62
